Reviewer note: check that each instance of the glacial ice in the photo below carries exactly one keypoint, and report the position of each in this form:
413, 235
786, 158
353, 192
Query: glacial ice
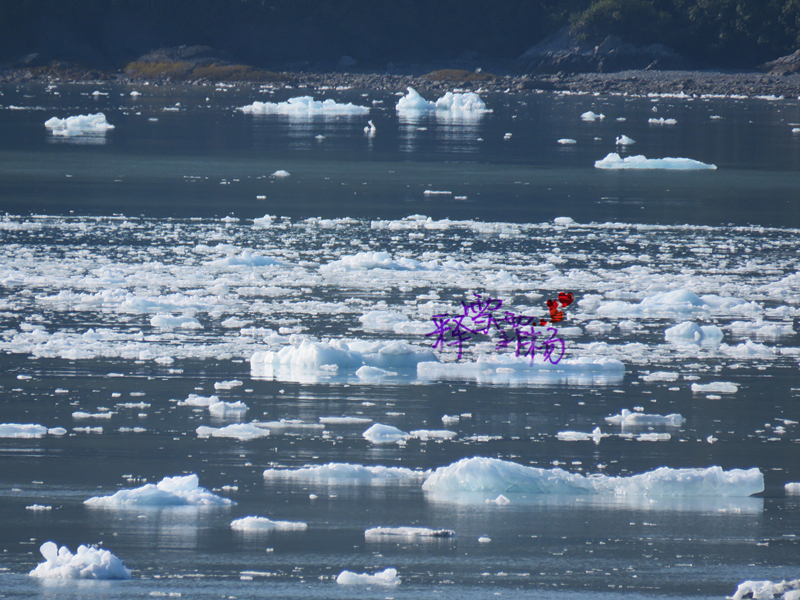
614, 161
22, 430
78, 125
590, 116
693, 333
386, 577
493, 476
239, 431
170, 491
344, 473
227, 410
453, 104
382, 533
636, 419
305, 107
263, 524
89, 562
385, 434
766, 590
624, 140
724, 387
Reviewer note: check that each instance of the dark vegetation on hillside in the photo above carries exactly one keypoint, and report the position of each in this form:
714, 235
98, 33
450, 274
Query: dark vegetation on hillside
316, 34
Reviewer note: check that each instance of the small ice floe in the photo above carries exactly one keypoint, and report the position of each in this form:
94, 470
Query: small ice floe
228, 385
305, 107
366, 372
760, 329
492, 475
280, 173
624, 140
432, 434
564, 221
635, 419
79, 414
387, 577
345, 472
166, 321
450, 419
651, 437
662, 121
660, 376
385, 434
266, 220
370, 129
590, 116
263, 524
345, 420
615, 161
437, 193
578, 436
507, 136
453, 104
721, 387
693, 333
22, 430
423, 533
134, 93
170, 491
484, 539
38, 507
89, 562
195, 400
239, 431
228, 410
792, 488
567, 142
766, 590
499, 501
78, 125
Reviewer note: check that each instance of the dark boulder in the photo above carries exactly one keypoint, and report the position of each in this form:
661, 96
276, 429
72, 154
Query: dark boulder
785, 65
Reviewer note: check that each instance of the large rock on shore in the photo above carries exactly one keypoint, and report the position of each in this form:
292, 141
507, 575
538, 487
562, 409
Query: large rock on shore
563, 52
785, 65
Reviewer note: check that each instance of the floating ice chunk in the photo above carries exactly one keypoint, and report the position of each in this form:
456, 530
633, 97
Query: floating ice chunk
305, 107
723, 387
228, 385
239, 431
635, 419
455, 104
760, 329
567, 142
55, 431
382, 320
492, 475
662, 121
792, 488
577, 436
387, 577
653, 437
385, 434
246, 258
693, 333
590, 116
170, 491
84, 415
563, 221
766, 590
450, 419
367, 372
412, 327
265, 221
747, 349
134, 93
223, 410
22, 430
344, 472
614, 161
79, 125
195, 400
344, 420
374, 260
263, 524
433, 434
661, 376
89, 562
484, 539
168, 321
624, 140
499, 501
280, 173
38, 507
379, 533
370, 130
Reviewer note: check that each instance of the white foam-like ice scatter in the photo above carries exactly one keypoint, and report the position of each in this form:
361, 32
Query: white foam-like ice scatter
344, 472
22, 430
492, 475
388, 577
385, 434
89, 562
238, 431
305, 107
723, 387
382, 320
624, 140
767, 590
615, 161
590, 116
78, 125
379, 533
170, 491
636, 419
223, 410
452, 103
693, 333
263, 524
247, 259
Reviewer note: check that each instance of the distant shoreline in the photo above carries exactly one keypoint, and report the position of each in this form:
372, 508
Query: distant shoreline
636, 82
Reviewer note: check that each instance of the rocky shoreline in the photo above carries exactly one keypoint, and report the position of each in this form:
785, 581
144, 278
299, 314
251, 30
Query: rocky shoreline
637, 82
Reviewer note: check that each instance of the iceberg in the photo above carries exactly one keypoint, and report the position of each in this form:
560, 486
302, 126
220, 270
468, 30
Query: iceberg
262, 524
724, 387
238, 431
89, 562
387, 577
634, 419
348, 473
615, 161
385, 434
305, 107
223, 410
495, 476
170, 491
453, 105
22, 430
78, 125
766, 590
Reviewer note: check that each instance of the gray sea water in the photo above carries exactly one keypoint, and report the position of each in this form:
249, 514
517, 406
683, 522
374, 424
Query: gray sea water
138, 268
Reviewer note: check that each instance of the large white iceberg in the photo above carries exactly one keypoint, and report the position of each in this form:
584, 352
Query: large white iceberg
766, 590
170, 491
78, 125
495, 476
89, 562
346, 473
451, 104
615, 161
305, 106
